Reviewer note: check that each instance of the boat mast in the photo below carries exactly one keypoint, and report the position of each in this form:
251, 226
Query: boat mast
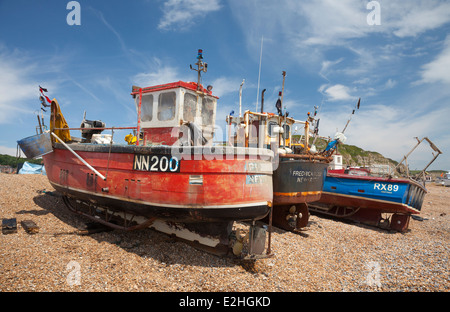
201, 67
353, 112
259, 74
281, 109
282, 89
240, 98
262, 101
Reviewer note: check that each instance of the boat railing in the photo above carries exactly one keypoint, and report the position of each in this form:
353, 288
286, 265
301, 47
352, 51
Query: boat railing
111, 128
78, 156
103, 177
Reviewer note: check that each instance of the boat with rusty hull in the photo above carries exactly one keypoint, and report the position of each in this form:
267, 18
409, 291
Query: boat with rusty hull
299, 170
376, 199
170, 176
198, 201
296, 182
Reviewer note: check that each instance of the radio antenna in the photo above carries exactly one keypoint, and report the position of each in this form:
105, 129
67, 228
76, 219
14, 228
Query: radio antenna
201, 67
353, 112
259, 74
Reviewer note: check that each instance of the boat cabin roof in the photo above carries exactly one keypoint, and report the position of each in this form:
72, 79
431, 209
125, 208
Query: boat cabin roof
173, 104
268, 118
173, 85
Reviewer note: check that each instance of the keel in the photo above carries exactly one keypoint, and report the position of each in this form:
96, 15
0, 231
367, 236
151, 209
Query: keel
291, 217
218, 238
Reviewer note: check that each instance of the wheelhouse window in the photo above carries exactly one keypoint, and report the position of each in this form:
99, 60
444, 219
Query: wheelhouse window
166, 106
234, 129
207, 111
272, 124
287, 129
189, 107
146, 107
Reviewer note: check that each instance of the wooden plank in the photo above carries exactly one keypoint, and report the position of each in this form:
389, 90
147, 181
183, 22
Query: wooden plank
30, 227
9, 226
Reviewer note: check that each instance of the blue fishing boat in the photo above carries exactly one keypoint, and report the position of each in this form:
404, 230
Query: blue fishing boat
384, 201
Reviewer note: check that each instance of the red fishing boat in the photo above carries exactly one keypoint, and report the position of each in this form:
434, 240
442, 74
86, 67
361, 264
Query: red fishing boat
170, 176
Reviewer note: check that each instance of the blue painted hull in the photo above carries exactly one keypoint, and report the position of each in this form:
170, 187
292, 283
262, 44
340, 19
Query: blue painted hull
36, 145
366, 198
393, 194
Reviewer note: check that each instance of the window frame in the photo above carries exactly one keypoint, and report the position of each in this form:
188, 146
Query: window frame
195, 108
160, 102
142, 107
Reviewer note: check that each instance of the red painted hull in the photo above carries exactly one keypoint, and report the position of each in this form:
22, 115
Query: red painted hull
333, 199
203, 189
366, 211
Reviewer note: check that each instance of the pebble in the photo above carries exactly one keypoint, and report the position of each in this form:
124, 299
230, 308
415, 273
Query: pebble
335, 256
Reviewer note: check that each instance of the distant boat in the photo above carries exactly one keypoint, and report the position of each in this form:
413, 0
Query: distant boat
299, 171
444, 179
298, 176
383, 201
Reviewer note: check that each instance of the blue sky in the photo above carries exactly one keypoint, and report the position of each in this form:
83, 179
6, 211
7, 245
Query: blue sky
399, 67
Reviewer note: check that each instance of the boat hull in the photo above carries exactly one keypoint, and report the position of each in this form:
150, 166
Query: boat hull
296, 182
196, 188
365, 199
36, 145
443, 182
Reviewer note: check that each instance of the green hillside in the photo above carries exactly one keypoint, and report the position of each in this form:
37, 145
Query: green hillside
13, 161
355, 156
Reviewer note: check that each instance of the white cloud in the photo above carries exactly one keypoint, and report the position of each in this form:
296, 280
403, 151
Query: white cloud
225, 85
438, 69
326, 66
362, 81
390, 125
162, 75
390, 131
390, 83
111, 28
179, 14
310, 26
336, 92
411, 18
159, 74
16, 87
8, 150
334, 22
85, 90
330, 22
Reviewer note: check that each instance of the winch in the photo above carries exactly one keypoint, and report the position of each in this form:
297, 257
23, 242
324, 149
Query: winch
90, 127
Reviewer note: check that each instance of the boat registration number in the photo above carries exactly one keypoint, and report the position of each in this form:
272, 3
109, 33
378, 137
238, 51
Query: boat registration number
385, 187
156, 163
